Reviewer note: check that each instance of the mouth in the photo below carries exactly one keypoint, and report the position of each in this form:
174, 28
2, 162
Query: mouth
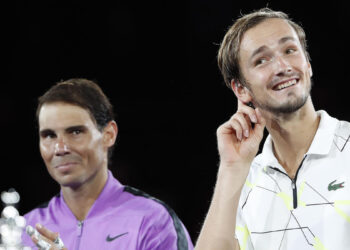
285, 84
65, 165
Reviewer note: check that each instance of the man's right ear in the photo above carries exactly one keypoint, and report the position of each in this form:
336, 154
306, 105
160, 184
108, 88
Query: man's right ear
241, 92
110, 132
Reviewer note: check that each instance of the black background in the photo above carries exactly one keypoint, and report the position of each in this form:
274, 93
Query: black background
156, 60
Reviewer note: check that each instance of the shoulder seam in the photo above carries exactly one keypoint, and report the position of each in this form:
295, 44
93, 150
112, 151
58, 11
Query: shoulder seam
181, 236
46, 203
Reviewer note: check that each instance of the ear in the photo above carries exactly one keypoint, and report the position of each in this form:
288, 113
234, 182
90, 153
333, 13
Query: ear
242, 93
110, 133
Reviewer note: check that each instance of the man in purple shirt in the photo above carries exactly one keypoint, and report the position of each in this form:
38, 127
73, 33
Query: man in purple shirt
93, 210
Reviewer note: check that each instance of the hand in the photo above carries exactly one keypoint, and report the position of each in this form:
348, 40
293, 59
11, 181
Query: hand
45, 239
238, 142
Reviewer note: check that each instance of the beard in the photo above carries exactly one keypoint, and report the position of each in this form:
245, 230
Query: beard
284, 108
290, 106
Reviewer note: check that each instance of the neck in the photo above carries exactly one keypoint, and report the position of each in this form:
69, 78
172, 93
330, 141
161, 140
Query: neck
81, 198
292, 135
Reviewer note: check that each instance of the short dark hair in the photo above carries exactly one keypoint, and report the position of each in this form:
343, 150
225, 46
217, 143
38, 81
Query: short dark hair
83, 93
228, 55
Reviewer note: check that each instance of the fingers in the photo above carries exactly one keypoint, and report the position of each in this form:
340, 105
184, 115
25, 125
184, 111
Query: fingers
237, 127
233, 126
46, 232
41, 243
44, 238
31, 231
247, 110
241, 123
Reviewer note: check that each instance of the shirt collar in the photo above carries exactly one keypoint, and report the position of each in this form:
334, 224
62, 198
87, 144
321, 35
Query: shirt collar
321, 144
110, 193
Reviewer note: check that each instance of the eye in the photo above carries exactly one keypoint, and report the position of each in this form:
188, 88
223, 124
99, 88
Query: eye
260, 61
290, 50
76, 131
47, 135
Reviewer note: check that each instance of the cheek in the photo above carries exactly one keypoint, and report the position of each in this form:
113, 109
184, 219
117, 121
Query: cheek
308, 70
98, 149
301, 63
259, 77
90, 151
45, 151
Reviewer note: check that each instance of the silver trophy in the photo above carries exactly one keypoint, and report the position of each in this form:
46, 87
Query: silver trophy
11, 223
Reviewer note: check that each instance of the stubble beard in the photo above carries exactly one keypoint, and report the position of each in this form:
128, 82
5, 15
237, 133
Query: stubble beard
289, 107
285, 108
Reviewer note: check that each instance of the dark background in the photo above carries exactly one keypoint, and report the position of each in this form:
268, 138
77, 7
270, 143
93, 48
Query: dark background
156, 60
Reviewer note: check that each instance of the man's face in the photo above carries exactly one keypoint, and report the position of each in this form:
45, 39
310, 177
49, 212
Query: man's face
274, 67
70, 144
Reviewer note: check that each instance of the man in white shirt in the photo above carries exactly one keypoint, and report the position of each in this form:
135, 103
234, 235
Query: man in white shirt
294, 195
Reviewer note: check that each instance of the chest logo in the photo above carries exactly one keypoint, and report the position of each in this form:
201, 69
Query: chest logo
109, 238
334, 186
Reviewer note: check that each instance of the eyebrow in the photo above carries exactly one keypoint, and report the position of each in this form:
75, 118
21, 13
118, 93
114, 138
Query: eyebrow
45, 132
78, 127
264, 47
69, 129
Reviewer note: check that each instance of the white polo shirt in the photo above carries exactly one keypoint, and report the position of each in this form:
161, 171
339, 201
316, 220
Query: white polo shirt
310, 212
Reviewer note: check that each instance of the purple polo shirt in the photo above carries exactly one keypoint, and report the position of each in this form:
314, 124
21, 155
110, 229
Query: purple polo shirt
121, 218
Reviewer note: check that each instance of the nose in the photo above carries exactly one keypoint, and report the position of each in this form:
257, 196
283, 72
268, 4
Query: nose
282, 66
61, 148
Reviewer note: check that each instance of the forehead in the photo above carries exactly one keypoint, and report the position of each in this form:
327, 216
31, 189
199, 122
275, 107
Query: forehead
62, 115
266, 33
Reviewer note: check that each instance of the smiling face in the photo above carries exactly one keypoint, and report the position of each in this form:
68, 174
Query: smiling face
73, 149
274, 67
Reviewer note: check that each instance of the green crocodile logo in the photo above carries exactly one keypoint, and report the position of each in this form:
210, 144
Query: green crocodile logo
334, 187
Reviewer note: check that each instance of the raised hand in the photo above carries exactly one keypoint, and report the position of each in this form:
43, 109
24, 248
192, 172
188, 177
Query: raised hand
238, 139
238, 143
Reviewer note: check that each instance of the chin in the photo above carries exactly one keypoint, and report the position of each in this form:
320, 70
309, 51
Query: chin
67, 181
70, 184
288, 107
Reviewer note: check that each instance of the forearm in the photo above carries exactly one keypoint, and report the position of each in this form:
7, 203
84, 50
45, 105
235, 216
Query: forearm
219, 226
238, 143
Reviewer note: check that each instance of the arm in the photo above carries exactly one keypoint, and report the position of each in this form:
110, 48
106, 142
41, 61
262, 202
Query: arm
237, 150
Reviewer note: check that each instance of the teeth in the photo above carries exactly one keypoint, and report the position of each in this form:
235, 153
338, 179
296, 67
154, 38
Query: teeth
286, 84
